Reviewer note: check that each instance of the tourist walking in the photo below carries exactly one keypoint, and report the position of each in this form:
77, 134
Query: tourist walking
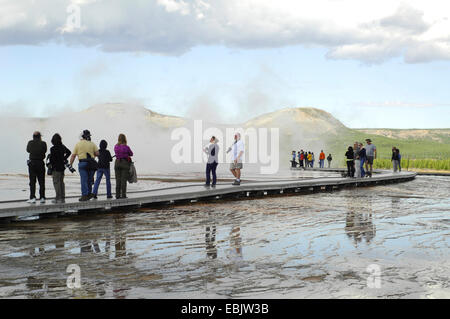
329, 159
395, 159
59, 154
321, 159
237, 152
36, 167
371, 153
104, 168
122, 165
212, 150
86, 151
350, 157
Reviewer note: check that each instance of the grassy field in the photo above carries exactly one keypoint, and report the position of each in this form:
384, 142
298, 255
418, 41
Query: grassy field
416, 153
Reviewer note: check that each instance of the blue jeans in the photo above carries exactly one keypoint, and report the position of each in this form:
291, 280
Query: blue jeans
86, 177
100, 173
363, 172
211, 168
321, 163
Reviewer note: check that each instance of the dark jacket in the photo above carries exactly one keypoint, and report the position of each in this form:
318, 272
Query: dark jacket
329, 158
37, 149
362, 153
58, 156
350, 155
104, 156
395, 156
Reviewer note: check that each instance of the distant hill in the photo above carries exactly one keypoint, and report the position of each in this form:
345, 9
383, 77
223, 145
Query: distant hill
308, 128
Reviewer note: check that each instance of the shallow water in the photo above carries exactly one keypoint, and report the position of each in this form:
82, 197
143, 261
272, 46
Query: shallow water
307, 246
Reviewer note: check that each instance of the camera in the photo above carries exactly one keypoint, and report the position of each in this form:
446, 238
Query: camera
69, 167
49, 166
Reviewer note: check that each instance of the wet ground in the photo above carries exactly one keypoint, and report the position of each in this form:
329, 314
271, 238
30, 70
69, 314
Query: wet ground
380, 242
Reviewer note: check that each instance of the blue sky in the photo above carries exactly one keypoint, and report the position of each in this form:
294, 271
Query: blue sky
231, 79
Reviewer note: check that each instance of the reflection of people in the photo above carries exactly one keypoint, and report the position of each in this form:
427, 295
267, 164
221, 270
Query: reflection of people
210, 242
359, 225
235, 251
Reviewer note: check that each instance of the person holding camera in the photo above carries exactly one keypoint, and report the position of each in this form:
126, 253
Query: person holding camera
86, 151
59, 154
36, 167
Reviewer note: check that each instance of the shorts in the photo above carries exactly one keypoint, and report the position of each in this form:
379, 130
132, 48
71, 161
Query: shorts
236, 166
370, 160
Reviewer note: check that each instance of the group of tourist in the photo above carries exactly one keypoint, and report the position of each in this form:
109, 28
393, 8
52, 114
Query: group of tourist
358, 156
86, 151
306, 159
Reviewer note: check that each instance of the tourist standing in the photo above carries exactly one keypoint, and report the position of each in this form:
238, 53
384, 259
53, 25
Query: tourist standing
357, 160
329, 159
293, 162
399, 160
104, 168
122, 166
302, 158
321, 159
312, 159
59, 154
395, 159
309, 159
212, 150
350, 157
237, 152
36, 167
86, 151
371, 153
362, 159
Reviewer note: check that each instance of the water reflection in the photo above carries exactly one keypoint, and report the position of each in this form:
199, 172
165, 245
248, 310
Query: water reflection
210, 242
358, 222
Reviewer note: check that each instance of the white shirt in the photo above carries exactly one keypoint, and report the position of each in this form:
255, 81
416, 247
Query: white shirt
236, 149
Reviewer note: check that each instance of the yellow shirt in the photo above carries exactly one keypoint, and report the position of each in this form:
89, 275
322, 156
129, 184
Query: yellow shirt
83, 147
310, 157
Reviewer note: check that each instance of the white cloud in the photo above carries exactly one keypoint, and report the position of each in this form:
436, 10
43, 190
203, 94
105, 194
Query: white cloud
417, 31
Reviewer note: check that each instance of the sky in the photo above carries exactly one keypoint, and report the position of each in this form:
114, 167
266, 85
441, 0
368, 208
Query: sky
370, 63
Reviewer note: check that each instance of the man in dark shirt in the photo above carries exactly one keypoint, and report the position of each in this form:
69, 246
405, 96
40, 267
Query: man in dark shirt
36, 167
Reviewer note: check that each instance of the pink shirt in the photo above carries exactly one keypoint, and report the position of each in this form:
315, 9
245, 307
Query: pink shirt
122, 151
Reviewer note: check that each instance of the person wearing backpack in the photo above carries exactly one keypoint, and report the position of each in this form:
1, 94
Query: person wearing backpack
85, 150
329, 159
104, 160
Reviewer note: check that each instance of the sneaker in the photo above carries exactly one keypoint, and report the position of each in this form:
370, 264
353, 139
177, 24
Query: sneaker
206, 185
90, 195
83, 198
109, 197
42, 200
94, 197
31, 201
213, 185
236, 182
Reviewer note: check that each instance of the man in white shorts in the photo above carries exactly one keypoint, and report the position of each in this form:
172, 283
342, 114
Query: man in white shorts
237, 153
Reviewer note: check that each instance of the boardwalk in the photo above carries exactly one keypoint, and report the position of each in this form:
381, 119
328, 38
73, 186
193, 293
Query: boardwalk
197, 192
